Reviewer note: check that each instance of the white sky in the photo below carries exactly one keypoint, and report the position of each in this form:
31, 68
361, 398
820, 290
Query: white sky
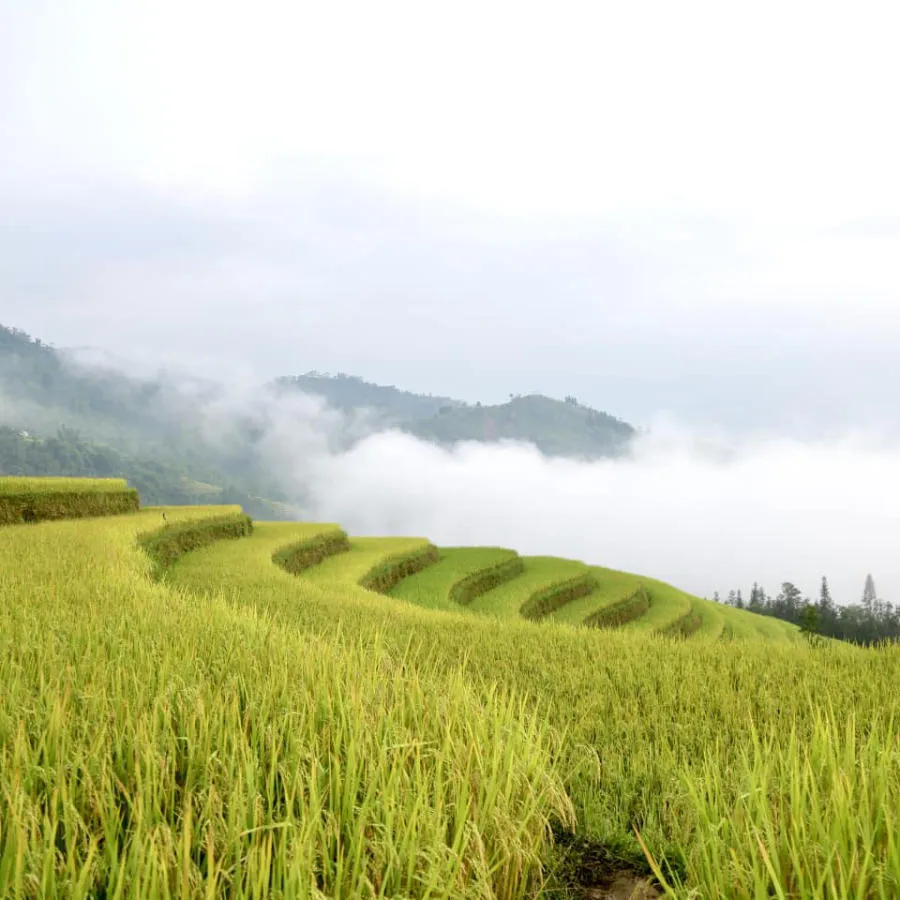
708, 187
684, 208
778, 111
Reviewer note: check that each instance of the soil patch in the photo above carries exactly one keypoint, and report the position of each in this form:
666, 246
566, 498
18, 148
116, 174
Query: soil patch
622, 885
593, 871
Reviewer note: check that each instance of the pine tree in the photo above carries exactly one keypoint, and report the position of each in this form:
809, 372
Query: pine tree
739, 600
732, 598
825, 601
754, 603
869, 596
716, 597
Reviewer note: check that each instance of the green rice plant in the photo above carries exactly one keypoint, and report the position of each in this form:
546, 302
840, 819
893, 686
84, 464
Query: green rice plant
177, 738
668, 605
506, 566
167, 544
392, 570
312, 549
686, 625
159, 743
742, 624
12, 484
544, 601
612, 586
617, 614
773, 629
541, 573
812, 812
461, 574
712, 622
633, 735
39, 499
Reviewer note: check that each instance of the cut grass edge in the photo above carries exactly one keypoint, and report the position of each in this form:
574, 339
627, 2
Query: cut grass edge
298, 557
629, 608
473, 585
547, 599
387, 573
166, 545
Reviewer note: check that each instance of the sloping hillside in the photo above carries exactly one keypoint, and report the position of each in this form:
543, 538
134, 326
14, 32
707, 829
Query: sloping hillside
391, 405
557, 428
60, 418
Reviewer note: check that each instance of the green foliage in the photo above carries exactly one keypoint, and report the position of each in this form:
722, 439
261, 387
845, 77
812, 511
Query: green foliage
461, 574
542, 575
157, 743
545, 600
654, 734
68, 454
557, 428
296, 558
625, 610
809, 623
166, 545
394, 569
870, 622
75, 421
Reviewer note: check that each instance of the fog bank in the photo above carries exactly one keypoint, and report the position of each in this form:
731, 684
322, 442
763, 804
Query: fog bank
699, 513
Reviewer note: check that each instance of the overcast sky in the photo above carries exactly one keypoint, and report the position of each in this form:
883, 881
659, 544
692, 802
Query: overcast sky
687, 208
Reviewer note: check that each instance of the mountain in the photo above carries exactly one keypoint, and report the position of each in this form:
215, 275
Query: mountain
183, 443
347, 393
556, 428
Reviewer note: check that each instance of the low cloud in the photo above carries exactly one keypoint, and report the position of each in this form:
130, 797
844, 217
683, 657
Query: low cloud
699, 513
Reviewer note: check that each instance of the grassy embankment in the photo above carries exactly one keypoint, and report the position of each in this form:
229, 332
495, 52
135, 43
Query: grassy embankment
38, 499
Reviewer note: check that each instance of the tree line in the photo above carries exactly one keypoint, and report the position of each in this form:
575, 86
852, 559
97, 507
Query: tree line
868, 622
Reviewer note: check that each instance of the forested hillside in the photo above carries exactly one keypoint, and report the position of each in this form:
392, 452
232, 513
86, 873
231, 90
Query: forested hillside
59, 418
68, 454
391, 405
556, 428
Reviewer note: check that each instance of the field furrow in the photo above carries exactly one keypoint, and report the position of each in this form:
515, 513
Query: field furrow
463, 572
540, 574
612, 586
712, 622
668, 606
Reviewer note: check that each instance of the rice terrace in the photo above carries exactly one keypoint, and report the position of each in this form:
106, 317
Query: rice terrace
195, 704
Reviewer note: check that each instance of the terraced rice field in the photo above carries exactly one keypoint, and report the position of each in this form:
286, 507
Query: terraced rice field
10, 484
237, 729
541, 572
611, 587
433, 587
